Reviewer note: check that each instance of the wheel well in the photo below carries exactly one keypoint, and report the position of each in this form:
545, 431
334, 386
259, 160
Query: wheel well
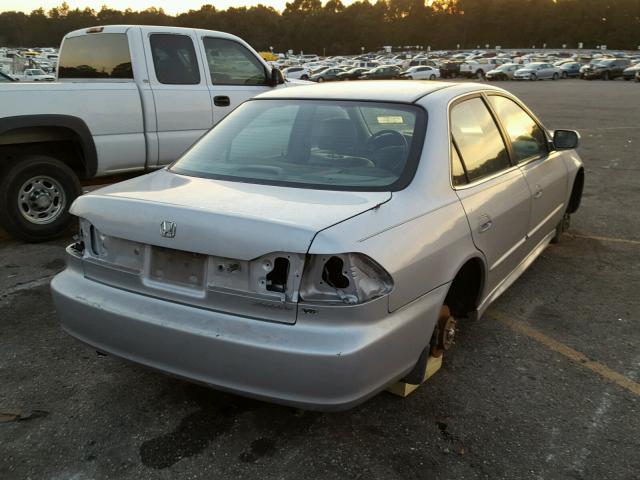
464, 294
60, 142
576, 192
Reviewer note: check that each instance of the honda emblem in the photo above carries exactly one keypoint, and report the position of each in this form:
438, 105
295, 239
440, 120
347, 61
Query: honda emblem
168, 229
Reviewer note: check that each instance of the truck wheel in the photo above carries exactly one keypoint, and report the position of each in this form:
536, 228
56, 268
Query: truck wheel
480, 74
35, 195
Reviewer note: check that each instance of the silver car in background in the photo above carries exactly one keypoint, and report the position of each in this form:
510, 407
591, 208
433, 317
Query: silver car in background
316, 243
503, 72
538, 71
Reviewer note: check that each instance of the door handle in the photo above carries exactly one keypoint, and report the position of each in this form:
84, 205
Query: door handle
221, 101
538, 194
486, 225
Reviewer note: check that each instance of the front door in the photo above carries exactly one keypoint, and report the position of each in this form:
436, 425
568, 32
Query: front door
543, 170
234, 74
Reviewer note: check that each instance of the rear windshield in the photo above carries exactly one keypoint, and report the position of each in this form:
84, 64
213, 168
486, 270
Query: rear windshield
96, 55
335, 145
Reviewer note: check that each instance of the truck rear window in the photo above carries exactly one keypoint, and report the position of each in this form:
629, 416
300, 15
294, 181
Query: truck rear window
96, 55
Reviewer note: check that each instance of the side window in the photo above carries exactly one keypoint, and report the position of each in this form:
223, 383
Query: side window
478, 139
174, 59
458, 175
231, 63
527, 138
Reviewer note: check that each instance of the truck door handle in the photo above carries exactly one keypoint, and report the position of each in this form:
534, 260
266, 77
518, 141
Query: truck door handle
221, 101
538, 194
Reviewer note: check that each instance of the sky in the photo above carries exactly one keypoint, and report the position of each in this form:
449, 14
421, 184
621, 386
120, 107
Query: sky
169, 6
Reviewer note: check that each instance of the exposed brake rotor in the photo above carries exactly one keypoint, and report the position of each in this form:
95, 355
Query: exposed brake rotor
444, 333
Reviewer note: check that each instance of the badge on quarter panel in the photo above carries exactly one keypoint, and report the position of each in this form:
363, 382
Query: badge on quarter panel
168, 229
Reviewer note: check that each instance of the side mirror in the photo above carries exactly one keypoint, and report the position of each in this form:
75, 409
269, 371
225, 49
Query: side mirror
276, 77
566, 139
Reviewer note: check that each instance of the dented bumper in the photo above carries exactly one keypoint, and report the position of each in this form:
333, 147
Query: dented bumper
330, 359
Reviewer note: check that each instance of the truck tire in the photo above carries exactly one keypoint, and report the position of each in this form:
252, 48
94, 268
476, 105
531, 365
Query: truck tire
35, 195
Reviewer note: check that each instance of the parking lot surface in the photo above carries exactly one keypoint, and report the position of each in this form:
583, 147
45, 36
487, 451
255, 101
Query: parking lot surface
545, 386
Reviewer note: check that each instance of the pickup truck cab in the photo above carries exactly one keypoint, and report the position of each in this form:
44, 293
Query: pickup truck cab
127, 99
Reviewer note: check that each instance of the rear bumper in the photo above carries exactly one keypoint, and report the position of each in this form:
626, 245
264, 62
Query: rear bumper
319, 364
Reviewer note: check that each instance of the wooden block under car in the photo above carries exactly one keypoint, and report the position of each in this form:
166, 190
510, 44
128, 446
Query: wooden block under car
403, 389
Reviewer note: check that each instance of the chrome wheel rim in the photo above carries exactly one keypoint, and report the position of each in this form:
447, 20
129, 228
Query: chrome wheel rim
41, 200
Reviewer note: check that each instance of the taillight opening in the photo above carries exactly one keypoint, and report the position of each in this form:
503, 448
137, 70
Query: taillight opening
277, 278
333, 275
349, 278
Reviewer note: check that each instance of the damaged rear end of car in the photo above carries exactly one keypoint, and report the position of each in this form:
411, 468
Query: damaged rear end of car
205, 270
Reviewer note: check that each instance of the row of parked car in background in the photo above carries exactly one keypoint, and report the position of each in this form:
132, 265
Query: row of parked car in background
28, 64
489, 65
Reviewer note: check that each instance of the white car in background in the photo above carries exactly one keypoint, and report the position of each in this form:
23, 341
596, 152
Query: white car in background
35, 75
478, 68
421, 72
297, 73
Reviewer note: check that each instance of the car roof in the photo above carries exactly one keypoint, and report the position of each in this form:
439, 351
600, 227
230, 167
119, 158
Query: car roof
403, 91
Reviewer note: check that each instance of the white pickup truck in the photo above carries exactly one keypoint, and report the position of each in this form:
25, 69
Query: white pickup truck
127, 98
34, 75
478, 68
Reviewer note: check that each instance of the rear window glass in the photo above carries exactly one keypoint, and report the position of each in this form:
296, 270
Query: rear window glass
313, 144
96, 55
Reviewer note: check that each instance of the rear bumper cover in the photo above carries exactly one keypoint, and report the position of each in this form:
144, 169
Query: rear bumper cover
323, 363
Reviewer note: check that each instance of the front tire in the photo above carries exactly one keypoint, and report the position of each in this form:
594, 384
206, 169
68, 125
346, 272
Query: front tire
35, 195
480, 74
320, 79
565, 75
432, 77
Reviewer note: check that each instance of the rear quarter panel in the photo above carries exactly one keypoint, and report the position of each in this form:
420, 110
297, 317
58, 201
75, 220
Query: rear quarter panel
421, 236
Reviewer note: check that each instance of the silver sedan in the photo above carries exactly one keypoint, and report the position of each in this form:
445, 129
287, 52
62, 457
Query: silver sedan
538, 71
317, 243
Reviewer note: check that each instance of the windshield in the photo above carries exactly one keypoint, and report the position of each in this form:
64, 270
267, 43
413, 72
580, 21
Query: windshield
335, 145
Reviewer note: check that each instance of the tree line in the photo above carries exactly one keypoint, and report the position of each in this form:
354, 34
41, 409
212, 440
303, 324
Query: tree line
333, 28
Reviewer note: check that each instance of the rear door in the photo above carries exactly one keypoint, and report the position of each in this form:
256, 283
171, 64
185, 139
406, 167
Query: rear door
234, 73
544, 171
493, 192
180, 92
